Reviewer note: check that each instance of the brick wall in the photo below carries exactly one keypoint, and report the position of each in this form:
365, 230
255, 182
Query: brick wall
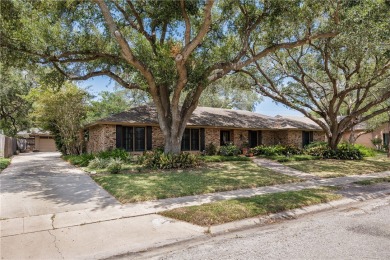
239, 137
268, 137
157, 137
319, 136
212, 135
101, 138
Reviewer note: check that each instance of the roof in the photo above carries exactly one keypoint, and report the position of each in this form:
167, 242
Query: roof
212, 117
33, 132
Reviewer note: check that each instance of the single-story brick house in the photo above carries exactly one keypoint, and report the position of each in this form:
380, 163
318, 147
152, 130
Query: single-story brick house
365, 135
137, 130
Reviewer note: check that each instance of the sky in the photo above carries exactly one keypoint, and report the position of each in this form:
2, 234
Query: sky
266, 107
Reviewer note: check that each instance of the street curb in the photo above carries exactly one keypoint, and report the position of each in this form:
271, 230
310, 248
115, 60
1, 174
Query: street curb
291, 214
246, 224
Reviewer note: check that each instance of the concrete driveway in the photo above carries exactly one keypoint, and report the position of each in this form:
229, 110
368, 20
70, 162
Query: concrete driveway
42, 183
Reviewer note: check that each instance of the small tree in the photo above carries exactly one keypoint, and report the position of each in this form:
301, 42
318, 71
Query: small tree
61, 112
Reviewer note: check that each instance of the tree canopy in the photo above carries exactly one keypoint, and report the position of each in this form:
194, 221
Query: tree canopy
14, 85
338, 82
173, 50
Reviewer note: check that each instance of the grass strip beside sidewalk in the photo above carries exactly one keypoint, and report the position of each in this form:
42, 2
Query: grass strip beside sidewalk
231, 210
4, 162
373, 181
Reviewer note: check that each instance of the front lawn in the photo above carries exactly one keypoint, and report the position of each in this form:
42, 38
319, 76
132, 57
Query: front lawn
231, 210
4, 162
338, 168
213, 177
373, 181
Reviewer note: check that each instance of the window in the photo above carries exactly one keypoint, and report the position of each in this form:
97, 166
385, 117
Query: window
255, 138
191, 139
307, 138
386, 140
133, 138
225, 137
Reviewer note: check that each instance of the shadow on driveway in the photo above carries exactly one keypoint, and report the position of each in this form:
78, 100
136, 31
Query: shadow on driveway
42, 183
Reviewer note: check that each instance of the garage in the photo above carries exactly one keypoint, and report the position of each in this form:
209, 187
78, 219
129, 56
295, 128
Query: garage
45, 144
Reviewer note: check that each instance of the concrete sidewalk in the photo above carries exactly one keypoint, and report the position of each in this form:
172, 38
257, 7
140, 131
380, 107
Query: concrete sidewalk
280, 168
30, 224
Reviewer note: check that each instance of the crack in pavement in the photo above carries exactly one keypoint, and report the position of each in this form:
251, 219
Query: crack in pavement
52, 220
55, 244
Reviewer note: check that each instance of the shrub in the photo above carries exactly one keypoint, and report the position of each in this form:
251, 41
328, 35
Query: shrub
98, 163
274, 150
291, 150
211, 149
220, 158
316, 144
229, 150
81, 160
115, 153
318, 150
159, 160
343, 152
114, 165
377, 142
366, 152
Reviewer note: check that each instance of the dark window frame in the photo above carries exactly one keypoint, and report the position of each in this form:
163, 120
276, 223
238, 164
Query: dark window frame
190, 139
310, 139
133, 147
221, 142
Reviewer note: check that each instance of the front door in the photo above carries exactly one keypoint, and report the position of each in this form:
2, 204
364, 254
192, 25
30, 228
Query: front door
307, 138
225, 137
252, 139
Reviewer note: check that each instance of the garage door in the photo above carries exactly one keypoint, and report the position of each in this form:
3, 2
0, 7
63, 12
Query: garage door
47, 144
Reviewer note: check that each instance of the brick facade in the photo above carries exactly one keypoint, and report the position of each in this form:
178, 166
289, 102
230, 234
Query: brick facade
157, 137
212, 135
103, 137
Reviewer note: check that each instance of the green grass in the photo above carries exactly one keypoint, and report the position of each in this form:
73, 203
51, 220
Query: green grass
299, 157
338, 168
221, 158
213, 177
4, 162
231, 210
373, 181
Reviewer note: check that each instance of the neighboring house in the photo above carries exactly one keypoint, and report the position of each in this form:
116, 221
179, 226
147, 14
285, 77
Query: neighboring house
365, 135
38, 140
137, 130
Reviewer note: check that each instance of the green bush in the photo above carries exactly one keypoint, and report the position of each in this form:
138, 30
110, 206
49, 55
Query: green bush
81, 160
318, 151
221, 158
211, 149
316, 144
159, 160
4, 162
366, 152
229, 150
115, 153
114, 165
274, 150
98, 163
343, 152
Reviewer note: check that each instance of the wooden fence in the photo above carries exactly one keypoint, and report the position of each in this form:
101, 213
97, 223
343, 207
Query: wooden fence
9, 146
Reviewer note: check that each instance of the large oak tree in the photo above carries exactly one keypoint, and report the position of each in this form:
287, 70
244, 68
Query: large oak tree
169, 49
337, 82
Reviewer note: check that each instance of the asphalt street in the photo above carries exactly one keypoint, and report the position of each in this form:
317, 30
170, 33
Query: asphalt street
357, 231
